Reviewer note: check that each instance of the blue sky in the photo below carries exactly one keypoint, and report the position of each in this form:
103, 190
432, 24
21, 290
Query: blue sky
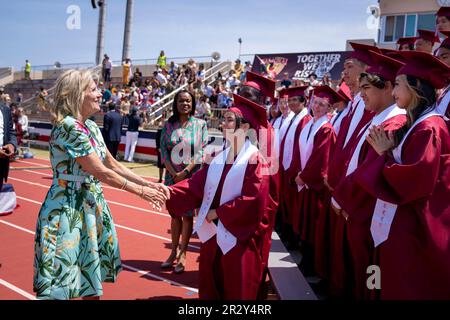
36, 29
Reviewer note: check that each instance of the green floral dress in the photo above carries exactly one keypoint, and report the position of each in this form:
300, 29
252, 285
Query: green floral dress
76, 246
179, 145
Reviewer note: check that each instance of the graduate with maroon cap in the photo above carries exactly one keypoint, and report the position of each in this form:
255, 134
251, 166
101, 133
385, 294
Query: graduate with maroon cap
341, 108
351, 125
232, 193
351, 201
443, 19
315, 141
426, 40
406, 43
290, 159
410, 179
443, 54
257, 88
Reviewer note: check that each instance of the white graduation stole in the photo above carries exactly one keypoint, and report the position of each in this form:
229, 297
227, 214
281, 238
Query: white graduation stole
444, 101
289, 141
285, 125
386, 114
385, 211
232, 189
337, 118
307, 143
277, 122
279, 134
356, 118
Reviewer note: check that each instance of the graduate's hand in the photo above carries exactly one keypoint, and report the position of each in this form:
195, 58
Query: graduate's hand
299, 180
379, 140
156, 198
160, 187
212, 215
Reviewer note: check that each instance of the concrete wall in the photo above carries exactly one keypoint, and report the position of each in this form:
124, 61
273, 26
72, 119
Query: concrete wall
35, 75
389, 7
6, 76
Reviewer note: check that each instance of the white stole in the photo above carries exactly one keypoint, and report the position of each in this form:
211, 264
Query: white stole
386, 114
277, 122
280, 131
445, 101
289, 141
384, 212
307, 143
232, 189
285, 125
337, 122
356, 118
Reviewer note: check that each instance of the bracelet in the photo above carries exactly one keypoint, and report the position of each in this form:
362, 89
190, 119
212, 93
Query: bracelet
142, 192
124, 185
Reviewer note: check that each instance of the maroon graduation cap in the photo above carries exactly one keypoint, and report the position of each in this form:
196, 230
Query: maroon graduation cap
265, 85
327, 92
384, 66
425, 66
428, 35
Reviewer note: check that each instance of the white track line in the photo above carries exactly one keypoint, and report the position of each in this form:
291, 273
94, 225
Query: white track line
117, 225
18, 290
109, 201
145, 273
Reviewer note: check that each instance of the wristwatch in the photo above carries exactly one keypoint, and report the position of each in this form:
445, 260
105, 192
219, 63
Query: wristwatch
185, 170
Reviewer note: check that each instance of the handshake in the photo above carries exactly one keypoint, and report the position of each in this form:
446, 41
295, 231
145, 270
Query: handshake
156, 193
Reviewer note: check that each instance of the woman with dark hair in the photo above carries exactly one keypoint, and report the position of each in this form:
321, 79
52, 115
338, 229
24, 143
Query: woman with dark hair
410, 180
182, 144
232, 193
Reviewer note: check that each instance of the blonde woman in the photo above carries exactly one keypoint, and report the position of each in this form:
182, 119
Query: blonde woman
76, 246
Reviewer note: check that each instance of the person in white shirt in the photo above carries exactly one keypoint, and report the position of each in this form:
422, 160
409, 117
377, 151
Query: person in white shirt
23, 120
160, 77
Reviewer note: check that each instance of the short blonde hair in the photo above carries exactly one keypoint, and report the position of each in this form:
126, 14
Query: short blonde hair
69, 94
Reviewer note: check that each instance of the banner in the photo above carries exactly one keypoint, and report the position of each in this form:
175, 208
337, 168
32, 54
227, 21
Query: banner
301, 65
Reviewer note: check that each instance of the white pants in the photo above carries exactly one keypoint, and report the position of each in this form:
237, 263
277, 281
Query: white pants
130, 146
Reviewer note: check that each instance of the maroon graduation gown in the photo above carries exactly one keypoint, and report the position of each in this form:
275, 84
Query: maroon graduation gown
415, 259
310, 199
236, 275
339, 267
289, 193
359, 205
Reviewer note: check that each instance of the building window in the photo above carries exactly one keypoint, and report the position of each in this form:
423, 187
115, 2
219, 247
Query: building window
410, 30
389, 29
426, 21
399, 27
395, 27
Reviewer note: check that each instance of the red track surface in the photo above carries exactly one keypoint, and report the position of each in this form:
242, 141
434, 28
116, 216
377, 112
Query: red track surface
144, 240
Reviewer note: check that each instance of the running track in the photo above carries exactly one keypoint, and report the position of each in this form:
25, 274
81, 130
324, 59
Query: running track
144, 241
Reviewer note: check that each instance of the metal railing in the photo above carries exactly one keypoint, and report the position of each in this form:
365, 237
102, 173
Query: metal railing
165, 103
31, 102
117, 63
75, 65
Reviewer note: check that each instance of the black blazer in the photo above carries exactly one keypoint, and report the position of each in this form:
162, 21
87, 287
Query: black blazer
9, 137
112, 126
